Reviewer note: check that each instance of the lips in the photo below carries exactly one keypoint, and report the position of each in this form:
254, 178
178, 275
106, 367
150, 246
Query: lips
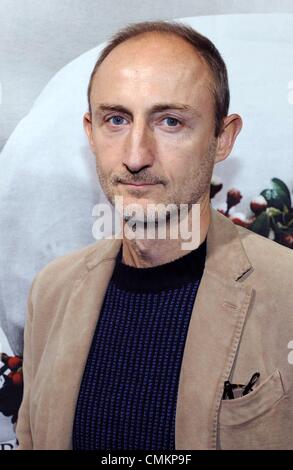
140, 184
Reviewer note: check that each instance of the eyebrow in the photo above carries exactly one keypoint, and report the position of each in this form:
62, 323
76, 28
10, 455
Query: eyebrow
156, 108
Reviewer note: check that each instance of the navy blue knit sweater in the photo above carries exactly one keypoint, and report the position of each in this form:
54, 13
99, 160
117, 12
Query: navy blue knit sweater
128, 394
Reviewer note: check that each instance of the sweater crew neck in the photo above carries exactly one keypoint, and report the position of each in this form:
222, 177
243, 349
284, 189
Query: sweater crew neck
173, 274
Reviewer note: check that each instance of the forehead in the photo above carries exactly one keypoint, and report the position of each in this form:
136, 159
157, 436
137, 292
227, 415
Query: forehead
153, 65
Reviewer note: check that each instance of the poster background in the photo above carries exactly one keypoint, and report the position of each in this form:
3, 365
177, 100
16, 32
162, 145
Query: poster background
38, 38
48, 185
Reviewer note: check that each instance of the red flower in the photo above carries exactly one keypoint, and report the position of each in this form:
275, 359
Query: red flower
233, 198
14, 362
258, 205
16, 377
239, 219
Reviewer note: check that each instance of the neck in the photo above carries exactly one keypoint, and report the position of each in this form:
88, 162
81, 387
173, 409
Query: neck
142, 252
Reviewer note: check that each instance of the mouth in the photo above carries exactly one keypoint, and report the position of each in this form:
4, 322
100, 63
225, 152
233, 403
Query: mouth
139, 185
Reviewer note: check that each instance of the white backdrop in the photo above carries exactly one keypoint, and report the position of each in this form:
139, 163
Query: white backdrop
48, 184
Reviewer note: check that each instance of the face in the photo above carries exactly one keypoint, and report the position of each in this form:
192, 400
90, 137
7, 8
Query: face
152, 124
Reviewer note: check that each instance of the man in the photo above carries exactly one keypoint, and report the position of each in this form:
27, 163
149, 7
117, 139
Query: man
137, 344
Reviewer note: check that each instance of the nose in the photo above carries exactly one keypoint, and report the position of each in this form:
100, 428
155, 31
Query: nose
139, 148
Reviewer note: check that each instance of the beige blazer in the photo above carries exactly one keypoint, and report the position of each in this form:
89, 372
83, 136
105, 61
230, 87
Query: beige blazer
242, 322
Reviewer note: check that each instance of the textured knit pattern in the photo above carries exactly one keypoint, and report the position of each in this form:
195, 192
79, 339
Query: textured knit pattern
129, 389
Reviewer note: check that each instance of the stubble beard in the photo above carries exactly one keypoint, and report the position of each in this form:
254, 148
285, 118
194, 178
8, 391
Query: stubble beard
197, 184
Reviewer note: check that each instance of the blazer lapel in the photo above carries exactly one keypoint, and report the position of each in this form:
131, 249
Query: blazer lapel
213, 336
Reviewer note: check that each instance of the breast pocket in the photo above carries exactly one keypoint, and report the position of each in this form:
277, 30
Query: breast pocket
256, 421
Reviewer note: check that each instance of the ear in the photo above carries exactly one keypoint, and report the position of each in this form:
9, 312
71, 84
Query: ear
231, 127
87, 125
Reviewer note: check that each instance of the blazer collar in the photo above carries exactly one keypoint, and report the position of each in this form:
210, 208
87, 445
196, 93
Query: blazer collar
226, 255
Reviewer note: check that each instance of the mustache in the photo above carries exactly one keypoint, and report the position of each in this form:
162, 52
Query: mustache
137, 179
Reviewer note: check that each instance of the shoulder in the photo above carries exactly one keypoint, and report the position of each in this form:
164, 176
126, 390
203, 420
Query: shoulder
272, 263
265, 251
59, 275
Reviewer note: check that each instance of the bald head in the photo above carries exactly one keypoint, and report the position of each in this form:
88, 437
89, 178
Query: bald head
181, 37
153, 67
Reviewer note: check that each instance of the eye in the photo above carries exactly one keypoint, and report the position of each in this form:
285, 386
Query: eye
116, 120
172, 121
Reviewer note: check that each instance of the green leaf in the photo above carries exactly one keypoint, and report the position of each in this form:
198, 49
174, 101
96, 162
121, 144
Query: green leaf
282, 190
273, 212
273, 198
261, 225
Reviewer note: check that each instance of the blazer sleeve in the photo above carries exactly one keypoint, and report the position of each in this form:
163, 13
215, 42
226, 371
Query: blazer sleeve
23, 426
